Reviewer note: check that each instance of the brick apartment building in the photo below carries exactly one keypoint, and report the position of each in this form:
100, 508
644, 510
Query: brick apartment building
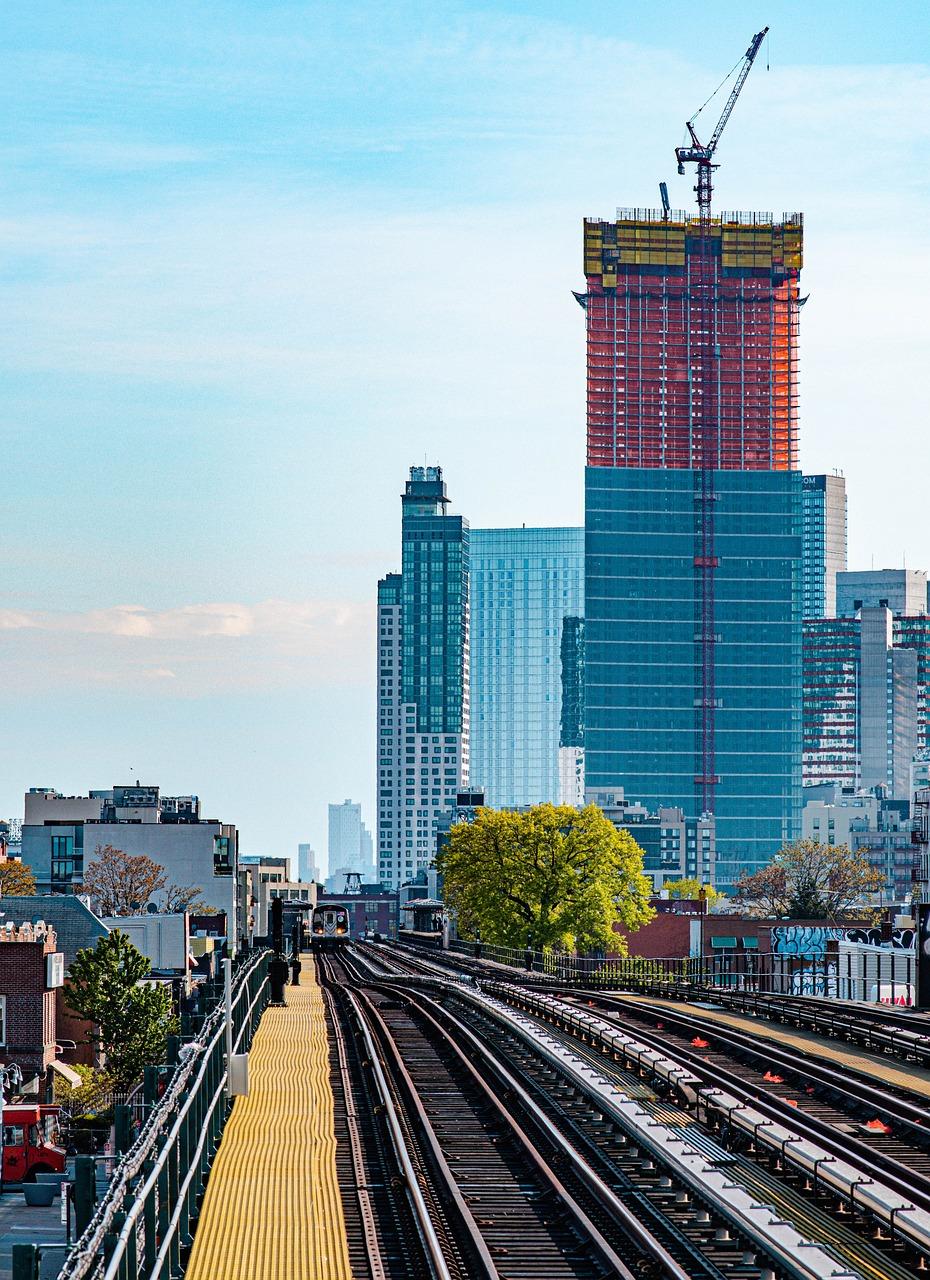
31, 970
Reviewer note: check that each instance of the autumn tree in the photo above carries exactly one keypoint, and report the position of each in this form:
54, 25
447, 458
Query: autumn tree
554, 875
186, 897
691, 888
132, 1020
121, 884
16, 879
810, 881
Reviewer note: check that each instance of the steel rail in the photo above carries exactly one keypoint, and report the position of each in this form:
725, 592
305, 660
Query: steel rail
425, 1228
366, 1209
622, 1216
859, 1174
850, 1083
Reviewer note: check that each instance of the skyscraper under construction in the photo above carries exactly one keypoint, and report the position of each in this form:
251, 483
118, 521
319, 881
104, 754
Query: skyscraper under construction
693, 521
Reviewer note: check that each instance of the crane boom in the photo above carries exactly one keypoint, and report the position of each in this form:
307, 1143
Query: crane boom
702, 155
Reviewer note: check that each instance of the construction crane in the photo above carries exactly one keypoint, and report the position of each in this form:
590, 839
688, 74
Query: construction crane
702, 155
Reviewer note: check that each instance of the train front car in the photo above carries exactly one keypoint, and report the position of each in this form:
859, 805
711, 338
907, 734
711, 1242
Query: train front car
329, 927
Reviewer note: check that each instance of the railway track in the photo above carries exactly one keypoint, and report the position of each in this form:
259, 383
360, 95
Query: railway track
891, 1165
497, 1209
880, 1029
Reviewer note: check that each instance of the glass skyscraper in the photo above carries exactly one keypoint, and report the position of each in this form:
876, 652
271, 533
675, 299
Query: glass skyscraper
527, 600
422, 678
642, 610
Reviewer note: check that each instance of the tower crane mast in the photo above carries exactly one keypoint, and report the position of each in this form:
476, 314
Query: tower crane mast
702, 155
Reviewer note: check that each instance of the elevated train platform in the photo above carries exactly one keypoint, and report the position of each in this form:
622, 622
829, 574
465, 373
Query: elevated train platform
272, 1208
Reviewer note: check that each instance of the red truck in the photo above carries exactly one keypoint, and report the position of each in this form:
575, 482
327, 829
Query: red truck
27, 1145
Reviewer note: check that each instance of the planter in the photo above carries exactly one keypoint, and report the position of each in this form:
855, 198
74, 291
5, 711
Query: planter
39, 1194
52, 1179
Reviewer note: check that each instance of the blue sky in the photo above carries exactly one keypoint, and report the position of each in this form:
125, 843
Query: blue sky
256, 259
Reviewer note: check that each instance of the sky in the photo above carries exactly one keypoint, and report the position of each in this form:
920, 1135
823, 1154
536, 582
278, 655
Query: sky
256, 259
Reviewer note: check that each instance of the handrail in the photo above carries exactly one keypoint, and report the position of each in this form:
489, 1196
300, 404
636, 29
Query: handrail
157, 1151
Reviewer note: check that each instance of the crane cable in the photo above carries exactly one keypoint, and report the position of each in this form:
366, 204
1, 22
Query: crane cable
717, 90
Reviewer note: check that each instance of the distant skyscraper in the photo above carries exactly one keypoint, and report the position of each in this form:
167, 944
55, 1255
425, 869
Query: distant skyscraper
527, 586
865, 691
693, 522
307, 866
423, 694
903, 591
824, 552
349, 840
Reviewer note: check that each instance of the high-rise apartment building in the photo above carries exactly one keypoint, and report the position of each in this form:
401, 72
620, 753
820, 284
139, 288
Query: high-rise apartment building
903, 591
824, 545
693, 522
527, 597
865, 699
349, 846
423, 678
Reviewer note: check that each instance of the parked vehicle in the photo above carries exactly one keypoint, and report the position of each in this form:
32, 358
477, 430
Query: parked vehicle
28, 1148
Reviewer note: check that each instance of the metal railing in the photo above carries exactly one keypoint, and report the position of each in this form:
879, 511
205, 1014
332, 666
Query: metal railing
145, 1221
880, 976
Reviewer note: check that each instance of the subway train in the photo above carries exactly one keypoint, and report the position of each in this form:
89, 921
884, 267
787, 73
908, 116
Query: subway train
329, 927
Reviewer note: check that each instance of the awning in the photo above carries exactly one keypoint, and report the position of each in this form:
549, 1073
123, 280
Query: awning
724, 943
67, 1073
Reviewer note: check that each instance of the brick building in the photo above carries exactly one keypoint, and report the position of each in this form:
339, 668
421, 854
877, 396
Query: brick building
31, 969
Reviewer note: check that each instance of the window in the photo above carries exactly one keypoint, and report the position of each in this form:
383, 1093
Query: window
222, 856
63, 866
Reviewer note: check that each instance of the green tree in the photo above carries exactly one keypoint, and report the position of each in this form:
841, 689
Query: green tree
16, 879
553, 874
807, 880
132, 1020
690, 888
90, 1096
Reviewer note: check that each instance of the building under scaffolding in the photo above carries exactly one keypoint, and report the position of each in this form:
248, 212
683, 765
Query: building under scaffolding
693, 517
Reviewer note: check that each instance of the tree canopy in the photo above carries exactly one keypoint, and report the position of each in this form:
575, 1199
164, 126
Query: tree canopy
132, 1021
16, 879
810, 881
123, 884
552, 875
691, 888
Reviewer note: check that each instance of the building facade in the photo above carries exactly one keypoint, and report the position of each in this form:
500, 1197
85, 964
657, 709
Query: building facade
903, 591
693, 523
866, 684
675, 847
423, 678
61, 835
871, 824
527, 599
824, 546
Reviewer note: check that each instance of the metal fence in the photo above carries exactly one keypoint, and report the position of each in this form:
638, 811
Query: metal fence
144, 1224
884, 975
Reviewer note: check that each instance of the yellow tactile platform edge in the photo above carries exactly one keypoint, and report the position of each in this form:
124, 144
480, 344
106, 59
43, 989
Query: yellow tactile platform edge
272, 1210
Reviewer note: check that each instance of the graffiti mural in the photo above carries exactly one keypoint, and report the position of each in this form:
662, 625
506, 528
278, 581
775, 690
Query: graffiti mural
811, 939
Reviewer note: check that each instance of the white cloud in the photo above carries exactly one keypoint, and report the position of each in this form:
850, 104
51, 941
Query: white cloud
196, 648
